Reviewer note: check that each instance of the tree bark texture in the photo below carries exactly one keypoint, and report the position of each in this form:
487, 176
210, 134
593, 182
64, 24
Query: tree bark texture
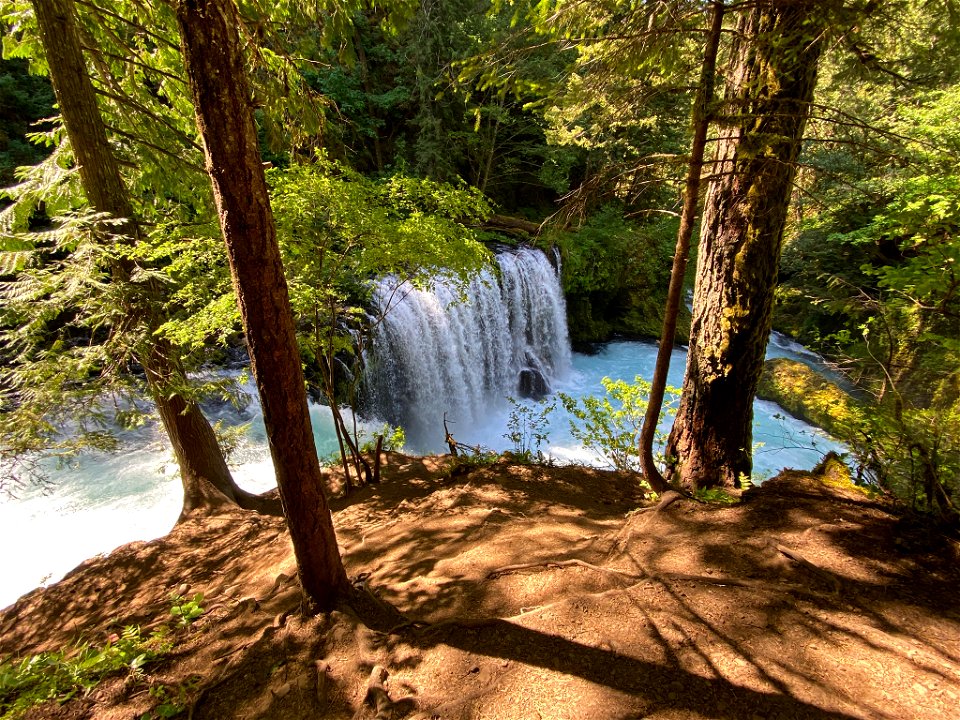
99, 172
221, 92
774, 69
688, 217
207, 481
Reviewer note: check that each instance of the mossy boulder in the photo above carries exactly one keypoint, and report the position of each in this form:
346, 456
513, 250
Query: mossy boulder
804, 393
831, 478
833, 471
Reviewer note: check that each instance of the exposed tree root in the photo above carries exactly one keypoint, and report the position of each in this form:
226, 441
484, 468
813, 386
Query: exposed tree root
266, 504
378, 698
473, 623
829, 578
653, 577
630, 528
573, 562
666, 500
323, 683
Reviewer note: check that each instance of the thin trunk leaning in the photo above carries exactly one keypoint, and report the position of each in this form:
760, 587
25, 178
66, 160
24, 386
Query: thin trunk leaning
217, 75
207, 481
688, 217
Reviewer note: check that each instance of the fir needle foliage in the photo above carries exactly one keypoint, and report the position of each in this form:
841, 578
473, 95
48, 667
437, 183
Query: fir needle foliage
525, 100
870, 272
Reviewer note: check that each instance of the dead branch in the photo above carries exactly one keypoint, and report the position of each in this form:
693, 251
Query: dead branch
449, 439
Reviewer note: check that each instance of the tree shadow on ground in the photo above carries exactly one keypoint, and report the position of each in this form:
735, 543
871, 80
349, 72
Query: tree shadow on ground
693, 611
654, 686
712, 604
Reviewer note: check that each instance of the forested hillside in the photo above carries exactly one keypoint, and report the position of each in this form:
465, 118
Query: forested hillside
198, 179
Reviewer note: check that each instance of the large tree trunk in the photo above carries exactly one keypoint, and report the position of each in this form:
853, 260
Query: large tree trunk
776, 50
221, 92
207, 481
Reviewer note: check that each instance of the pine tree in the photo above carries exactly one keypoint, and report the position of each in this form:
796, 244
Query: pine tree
768, 99
132, 309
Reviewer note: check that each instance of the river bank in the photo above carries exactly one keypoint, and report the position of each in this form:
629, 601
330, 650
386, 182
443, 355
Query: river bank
101, 501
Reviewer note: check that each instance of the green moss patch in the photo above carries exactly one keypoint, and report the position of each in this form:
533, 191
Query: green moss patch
806, 394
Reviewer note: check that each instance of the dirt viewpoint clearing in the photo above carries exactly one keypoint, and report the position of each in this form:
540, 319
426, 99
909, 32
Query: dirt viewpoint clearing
525, 592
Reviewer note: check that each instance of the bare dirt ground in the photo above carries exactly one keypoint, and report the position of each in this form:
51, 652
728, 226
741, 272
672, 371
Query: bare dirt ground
516, 591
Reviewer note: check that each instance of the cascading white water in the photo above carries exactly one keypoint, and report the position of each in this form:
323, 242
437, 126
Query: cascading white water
448, 351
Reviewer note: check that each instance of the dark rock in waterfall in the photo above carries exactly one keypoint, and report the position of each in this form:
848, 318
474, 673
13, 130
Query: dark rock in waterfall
531, 384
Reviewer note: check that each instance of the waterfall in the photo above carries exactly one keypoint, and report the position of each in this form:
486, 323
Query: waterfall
449, 350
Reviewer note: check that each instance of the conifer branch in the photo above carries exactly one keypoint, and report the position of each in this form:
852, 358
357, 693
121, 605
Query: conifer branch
102, 13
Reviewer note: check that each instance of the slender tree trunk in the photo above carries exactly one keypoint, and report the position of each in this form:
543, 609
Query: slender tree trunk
221, 92
492, 154
347, 441
326, 380
688, 217
207, 481
776, 51
365, 83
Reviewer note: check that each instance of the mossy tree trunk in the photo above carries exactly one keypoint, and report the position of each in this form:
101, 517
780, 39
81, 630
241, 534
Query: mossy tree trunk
207, 482
222, 97
774, 69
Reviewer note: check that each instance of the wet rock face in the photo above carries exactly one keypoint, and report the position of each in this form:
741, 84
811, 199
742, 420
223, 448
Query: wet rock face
531, 384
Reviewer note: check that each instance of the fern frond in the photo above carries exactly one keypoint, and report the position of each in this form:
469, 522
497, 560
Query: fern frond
14, 217
11, 243
51, 136
49, 181
13, 261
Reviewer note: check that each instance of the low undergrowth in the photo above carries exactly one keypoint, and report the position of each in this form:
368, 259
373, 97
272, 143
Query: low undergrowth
59, 675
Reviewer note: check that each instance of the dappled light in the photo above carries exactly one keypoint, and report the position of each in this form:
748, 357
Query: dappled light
512, 590
279, 245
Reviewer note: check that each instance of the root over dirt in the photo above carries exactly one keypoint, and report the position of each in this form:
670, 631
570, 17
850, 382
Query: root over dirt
516, 591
